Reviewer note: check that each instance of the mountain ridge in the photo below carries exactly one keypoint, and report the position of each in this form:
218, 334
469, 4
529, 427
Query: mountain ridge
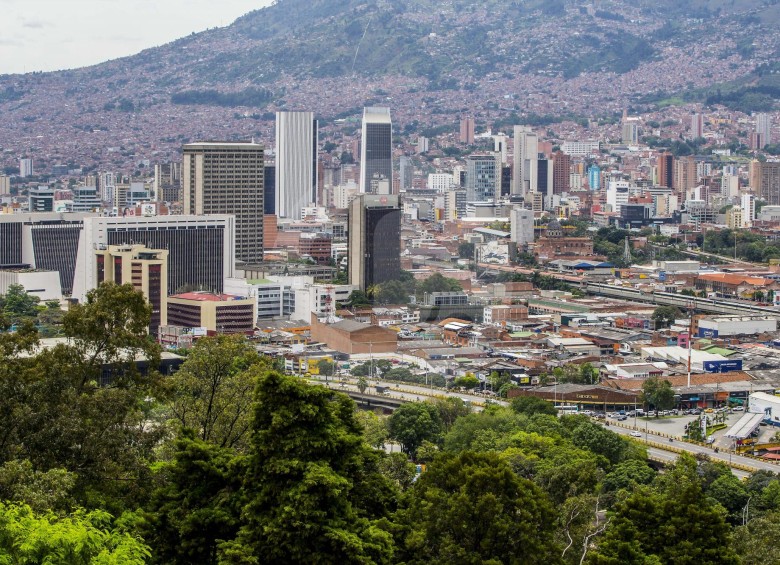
426, 59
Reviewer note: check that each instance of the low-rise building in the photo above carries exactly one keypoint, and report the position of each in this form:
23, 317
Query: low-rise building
218, 313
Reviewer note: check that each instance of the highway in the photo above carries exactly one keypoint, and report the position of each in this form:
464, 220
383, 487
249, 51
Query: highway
661, 449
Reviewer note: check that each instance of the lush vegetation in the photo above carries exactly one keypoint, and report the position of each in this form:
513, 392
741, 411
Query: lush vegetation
231, 462
246, 97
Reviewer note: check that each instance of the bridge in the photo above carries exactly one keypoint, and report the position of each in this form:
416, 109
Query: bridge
714, 306
374, 401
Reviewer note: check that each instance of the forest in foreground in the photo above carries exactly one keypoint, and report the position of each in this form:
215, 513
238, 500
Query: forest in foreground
230, 461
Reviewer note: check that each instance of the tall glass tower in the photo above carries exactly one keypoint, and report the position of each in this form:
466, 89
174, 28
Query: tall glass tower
376, 155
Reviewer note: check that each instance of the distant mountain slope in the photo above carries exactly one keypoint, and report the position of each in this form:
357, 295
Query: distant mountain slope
332, 56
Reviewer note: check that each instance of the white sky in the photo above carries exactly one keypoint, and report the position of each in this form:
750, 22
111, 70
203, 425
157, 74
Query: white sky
48, 35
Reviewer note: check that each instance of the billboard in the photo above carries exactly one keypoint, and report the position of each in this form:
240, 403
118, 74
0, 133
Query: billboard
723, 366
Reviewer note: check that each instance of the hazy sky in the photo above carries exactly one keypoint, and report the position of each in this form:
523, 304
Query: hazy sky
47, 35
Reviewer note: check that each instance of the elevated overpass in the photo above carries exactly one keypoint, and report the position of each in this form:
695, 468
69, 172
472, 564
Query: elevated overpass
710, 305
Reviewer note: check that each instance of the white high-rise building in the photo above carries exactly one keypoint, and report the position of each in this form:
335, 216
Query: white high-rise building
526, 154
764, 128
296, 163
440, 182
617, 194
25, 168
522, 225
748, 206
376, 153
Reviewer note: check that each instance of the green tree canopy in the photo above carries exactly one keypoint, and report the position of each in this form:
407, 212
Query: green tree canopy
82, 537
313, 487
212, 391
471, 508
657, 393
532, 405
664, 316
413, 422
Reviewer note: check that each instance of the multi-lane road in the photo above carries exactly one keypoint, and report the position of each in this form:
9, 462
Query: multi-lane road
659, 446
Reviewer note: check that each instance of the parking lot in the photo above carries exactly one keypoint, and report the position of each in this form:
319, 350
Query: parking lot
674, 425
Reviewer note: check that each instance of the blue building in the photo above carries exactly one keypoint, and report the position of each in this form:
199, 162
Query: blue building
594, 177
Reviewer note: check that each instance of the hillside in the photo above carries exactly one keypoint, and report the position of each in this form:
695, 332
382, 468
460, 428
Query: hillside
458, 56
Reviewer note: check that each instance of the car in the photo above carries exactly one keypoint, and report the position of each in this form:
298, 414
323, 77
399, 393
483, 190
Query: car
635, 434
621, 418
738, 409
709, 411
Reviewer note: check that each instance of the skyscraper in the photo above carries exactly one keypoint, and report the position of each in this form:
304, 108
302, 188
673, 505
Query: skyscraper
767, 176
227, 178
407, 173
25, 167
269, 188
561, 170
374, 240
526, 153
376, 154
594, 178
666, 170
764, 129
296, 163
467, 131
483, 178
697, 126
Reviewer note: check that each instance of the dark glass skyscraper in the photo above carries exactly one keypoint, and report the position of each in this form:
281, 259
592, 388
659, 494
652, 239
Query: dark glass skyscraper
376, 155
374, 240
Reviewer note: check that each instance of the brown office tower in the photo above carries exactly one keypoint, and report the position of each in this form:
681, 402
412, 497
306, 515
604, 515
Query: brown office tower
561, 171
374, 240
227, 178
767, 177
666, 170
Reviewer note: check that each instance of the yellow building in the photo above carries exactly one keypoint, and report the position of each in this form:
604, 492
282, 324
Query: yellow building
734, 218
146, 269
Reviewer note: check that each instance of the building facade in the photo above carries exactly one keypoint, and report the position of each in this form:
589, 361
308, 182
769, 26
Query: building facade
227, 178
146, 269
374, 240
376, 155
296, 163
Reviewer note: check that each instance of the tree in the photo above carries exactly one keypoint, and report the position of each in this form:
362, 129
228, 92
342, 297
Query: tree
471, 508
362, 384
196, 505
82, 537
628, 475
670, 522
438, 283
657, 393
450, 409
17, 305
413, 422
212, 391
43, 491
398, 468
531, 405
756, 542
468, 381
374, 428
313, 487
393, 292
664, 316
326, 367
82, 406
